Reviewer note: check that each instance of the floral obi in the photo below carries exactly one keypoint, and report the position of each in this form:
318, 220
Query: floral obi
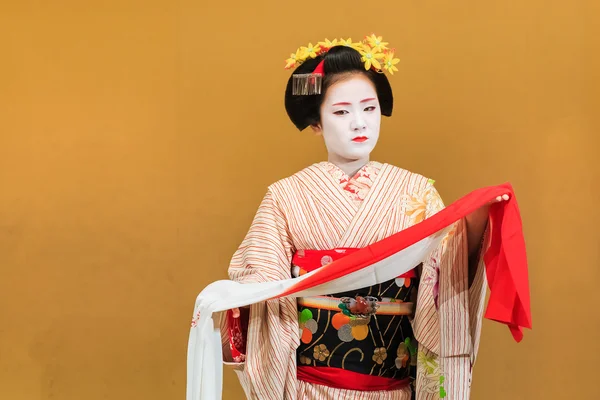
360, 339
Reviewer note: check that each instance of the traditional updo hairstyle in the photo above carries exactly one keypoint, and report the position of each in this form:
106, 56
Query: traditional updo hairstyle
339, 63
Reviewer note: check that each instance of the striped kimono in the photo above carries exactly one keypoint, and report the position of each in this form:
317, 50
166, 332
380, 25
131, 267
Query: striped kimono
320, 208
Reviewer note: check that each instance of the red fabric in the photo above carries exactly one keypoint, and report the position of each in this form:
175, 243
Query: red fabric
343, 379
506, 259
506, 270
310, 260
320, 69
238, 332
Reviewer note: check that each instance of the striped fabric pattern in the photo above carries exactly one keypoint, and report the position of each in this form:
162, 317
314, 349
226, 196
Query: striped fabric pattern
311, 210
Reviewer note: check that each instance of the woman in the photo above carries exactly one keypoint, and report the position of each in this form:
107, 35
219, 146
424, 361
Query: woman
416, 335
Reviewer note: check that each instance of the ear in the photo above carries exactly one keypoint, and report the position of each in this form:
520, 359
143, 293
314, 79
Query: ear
317, 129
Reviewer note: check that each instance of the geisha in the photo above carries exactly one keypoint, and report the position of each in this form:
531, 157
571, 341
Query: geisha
413, 336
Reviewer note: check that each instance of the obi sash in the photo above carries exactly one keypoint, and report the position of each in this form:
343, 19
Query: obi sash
360, 339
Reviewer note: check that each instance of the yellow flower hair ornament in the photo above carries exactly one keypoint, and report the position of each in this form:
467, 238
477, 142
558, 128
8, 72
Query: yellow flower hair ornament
373, 50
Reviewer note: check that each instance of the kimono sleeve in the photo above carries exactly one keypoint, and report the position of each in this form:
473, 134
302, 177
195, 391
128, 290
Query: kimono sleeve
458, 308
264, 255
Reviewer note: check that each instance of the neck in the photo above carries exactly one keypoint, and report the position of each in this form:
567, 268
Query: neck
350, 167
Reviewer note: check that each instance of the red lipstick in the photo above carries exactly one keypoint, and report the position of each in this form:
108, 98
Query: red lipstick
360, 139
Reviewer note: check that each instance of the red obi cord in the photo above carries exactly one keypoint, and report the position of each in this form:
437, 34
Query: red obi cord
342, 379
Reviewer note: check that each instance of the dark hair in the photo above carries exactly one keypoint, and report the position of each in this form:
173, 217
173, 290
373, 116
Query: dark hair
305, 110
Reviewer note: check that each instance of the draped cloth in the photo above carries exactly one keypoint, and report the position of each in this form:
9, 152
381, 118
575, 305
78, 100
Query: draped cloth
505, 268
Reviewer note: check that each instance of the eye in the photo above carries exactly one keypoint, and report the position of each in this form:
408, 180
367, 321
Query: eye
370, 108
341, 112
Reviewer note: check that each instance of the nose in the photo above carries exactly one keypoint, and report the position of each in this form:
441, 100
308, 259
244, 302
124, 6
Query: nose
358, 124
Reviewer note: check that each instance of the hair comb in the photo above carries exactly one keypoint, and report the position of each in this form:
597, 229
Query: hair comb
308, 84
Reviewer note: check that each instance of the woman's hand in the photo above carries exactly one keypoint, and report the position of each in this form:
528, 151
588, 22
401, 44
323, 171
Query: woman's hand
236, 311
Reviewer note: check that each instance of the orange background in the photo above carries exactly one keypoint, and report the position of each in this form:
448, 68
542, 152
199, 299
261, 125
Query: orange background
138, 137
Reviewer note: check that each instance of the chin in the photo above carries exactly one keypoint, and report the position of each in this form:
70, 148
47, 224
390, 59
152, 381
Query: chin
357, 156
361, 153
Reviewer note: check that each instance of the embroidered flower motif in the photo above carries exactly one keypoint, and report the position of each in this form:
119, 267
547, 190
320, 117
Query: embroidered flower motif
402, 356
434, 279
326, 260
379, 355
320, 352
405, 352
433, 201
362, 184
350, 328
195, 319
308, 326
240, 358
402, 282
429, 363
442, 390
436, 291
448, 236
415, 207
412, 350
429, 372
337, 174
238, 339
359, 185
297, 271
305, 360
419, 206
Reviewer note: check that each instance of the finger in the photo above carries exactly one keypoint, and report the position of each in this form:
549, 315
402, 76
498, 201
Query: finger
236, 312
499, 198
506, 197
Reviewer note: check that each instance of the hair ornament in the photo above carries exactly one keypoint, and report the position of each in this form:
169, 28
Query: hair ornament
373, 50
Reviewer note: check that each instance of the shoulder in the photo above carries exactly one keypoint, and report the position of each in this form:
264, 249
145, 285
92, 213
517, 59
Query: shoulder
421, 192
292, 181
414, 181
290, 185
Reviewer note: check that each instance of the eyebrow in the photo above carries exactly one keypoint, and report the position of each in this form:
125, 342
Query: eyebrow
347, 104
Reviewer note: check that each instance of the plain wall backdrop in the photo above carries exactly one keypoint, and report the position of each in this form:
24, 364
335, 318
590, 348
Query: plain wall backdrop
137, 139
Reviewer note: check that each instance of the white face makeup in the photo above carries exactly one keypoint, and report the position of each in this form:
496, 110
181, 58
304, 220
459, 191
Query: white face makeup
350, 120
